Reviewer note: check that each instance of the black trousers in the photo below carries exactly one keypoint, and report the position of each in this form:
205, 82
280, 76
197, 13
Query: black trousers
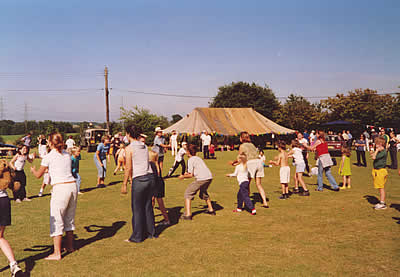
243, 196
20, 177
142, 208
361, 155
175, 167
206, 152
306, 161
393, 157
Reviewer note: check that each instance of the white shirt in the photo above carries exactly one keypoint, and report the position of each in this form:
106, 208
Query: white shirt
70, 143
198, 168
241, 173
206, 140
20, 162
262, 158
298, 155
3, 193
59, 165
180, 154
174, 139
303, 141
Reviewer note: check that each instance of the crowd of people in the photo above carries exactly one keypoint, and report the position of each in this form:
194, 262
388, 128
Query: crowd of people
143, 169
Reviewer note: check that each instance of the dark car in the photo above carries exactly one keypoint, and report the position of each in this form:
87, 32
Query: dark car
7, 149
335, 144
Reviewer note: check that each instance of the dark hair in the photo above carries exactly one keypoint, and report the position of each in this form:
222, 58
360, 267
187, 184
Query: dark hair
57, 140
281, 144
295, 143
346, 151
22, 146
133, 131
192, 149
245, 137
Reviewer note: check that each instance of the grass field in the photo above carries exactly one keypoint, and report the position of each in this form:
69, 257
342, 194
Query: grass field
326, 234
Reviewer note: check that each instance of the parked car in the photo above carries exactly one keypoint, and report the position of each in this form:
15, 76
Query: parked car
335, 144
8, 149
92, 137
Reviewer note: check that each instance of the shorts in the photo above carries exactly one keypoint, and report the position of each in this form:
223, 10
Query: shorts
284, 174
256, 168
159, 190
160, 159
380, 177
5, 211
101, 171
300, 167
195, 186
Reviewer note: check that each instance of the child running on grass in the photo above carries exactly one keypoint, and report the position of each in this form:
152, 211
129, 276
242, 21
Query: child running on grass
297, 154
284, 173
179, 160
17, 163
46, 181
242, 175
379, 172
75, 158
345, 168
197, 169
120, 155
5, 220
159, 190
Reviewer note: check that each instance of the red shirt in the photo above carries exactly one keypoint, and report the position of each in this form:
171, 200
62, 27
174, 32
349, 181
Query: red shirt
322, 148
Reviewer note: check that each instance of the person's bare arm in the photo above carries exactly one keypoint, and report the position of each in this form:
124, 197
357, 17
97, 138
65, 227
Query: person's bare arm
11, 163
342, 163
98, 157
186, 175
277, 160
128, 166
313, 147
38, 173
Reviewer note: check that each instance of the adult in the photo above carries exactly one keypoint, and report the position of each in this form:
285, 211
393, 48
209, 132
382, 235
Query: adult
350, 140
63, 196
42, 146
100, 159
27, 139
70, 143
173, 141
115, 145
385, 136
367, 141
206, 142
313, 137
254, 164
324, 161
306, 136
360, 145
302, 140
159, 147
143, 185
393, 150
345, 137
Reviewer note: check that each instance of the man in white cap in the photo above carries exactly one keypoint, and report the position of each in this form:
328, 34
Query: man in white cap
174, 143
205, 141
159, 147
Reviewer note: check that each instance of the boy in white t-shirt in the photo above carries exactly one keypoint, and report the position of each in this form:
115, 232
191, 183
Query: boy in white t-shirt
284, 172
179, 160
199, 170
297, 155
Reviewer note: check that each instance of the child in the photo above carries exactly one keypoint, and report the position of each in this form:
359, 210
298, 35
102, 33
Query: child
120, 158
212, 151
284, 173
297, 154
262, 157
345, 168
379, 172
75, 158
198, 169
242, 175
179, 160
159, 191
17, 163
46, 181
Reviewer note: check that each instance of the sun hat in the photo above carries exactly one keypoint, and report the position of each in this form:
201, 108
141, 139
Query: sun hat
158, 129
143, 135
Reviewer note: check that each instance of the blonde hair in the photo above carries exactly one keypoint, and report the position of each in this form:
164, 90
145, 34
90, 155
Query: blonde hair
153, 156
380, 141
242, 159
75, 149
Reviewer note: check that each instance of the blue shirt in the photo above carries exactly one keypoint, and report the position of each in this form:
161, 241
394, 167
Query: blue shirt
306, 136
157, 146
75, 165
360, 148
103, 150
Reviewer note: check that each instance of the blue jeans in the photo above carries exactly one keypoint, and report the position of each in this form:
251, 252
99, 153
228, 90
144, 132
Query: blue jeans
142, 208
101, 171
243, 196
78, 181
328, 174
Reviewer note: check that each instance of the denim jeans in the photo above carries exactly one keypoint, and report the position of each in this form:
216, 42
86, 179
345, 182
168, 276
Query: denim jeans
78, 181
142, 208
329, 176
243, 196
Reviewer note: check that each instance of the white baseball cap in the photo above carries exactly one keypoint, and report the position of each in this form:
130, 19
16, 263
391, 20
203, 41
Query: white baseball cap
158, 129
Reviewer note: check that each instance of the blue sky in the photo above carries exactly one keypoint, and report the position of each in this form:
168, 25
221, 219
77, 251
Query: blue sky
310, 48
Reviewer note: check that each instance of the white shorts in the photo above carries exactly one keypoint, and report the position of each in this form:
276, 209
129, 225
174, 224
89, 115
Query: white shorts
62, 208
256, 168
300, 167
284, 174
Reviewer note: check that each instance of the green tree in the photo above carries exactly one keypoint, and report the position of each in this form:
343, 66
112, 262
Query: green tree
176, 118
145, 120
245, 95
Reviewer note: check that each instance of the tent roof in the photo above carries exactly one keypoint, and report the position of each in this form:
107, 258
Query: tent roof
226, 121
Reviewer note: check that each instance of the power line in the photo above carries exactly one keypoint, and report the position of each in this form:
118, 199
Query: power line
163, 94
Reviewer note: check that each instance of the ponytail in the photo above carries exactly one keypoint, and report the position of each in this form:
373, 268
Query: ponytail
56, 139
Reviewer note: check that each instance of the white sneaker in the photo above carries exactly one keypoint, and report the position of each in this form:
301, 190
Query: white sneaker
40, 194
15, 269
26, 199
18, 201
380, 206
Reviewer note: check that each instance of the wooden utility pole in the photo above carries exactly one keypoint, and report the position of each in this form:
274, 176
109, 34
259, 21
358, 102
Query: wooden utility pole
107, 102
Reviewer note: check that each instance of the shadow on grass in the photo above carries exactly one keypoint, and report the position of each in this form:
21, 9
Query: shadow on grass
371, 199
102, 232
395, 206
397, 218
93, 188
256, 197
173, 214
